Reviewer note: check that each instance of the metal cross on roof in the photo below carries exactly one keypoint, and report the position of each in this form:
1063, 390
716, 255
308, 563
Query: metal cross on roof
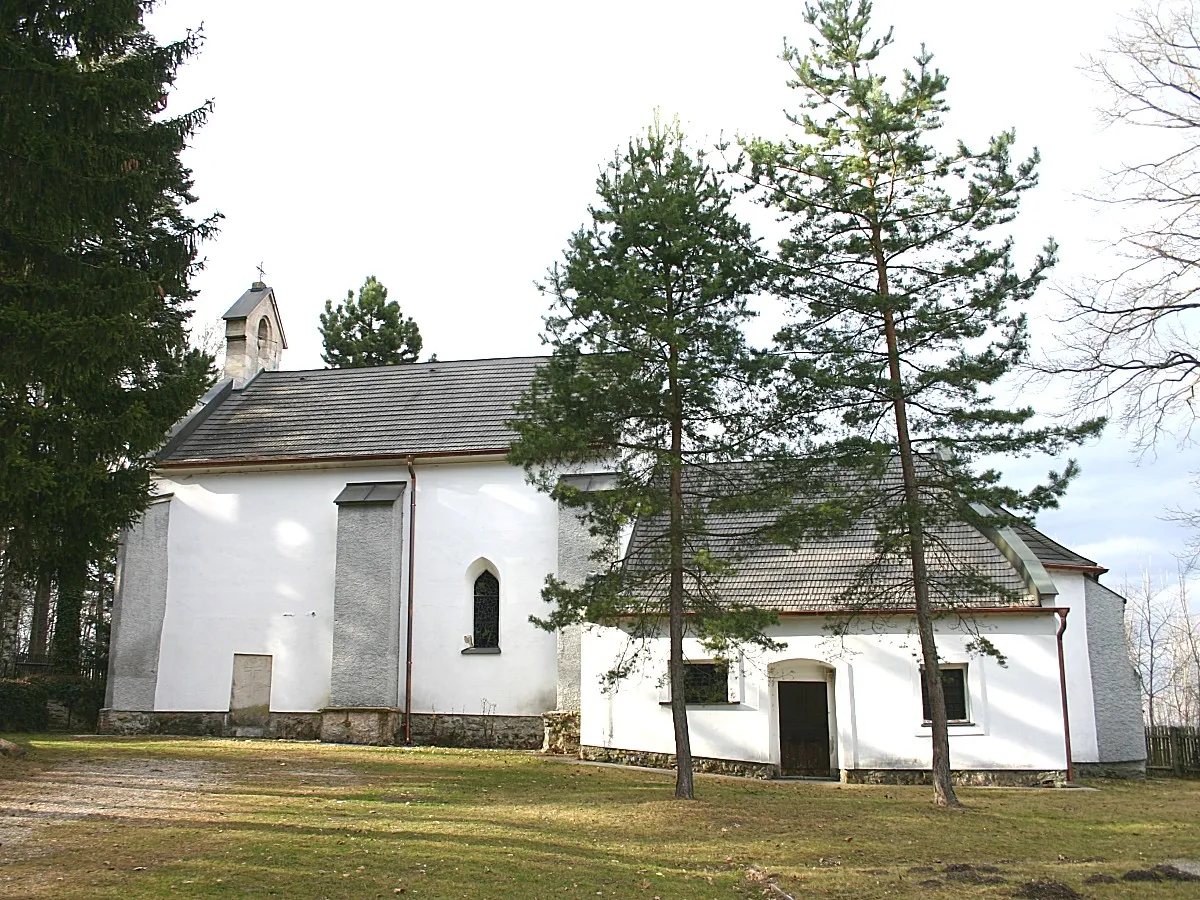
260, 271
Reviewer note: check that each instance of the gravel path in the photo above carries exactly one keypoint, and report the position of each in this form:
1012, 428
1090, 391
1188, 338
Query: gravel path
100, 788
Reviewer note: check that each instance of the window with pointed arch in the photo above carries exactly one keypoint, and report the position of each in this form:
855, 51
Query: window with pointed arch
487, 612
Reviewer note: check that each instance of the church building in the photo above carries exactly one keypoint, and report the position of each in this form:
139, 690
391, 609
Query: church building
346, 555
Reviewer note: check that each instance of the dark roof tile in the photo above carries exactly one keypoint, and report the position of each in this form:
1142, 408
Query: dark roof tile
422, 408
1048, 550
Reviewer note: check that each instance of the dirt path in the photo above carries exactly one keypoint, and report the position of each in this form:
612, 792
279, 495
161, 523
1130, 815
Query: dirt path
101, 788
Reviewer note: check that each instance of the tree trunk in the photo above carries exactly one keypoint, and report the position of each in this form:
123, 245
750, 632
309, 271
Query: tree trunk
943, 784
684, 782
12, 600
39, 626
65, 645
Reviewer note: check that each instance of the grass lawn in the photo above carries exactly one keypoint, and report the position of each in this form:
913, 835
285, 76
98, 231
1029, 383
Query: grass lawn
128, 818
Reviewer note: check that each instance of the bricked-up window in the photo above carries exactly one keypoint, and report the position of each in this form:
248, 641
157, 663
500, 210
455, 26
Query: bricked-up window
706, 682
954, 686
487, 612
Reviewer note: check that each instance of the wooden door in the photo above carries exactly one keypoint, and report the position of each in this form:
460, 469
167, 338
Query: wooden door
804, 728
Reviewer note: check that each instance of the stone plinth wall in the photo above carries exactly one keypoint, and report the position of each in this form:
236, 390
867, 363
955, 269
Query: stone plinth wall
966, 777
302, 726
498, 732
58, 716
667, 761
360, 725
1133, 769
560, 733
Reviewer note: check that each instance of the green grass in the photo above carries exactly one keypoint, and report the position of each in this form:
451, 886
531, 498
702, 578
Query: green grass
237, 818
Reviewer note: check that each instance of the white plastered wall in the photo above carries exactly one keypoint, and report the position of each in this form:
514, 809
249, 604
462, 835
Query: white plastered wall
468, 515
1084, 745
1016, 716
252, 571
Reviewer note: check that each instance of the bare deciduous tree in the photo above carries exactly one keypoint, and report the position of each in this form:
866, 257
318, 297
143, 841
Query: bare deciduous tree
210, 339
1130, 339
1164, 643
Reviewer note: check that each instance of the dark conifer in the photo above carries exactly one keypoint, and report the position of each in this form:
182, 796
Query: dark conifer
370, 331
95, 255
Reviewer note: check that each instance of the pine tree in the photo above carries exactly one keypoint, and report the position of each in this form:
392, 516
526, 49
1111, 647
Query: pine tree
368, 332
95, 256
650, 374
902, 306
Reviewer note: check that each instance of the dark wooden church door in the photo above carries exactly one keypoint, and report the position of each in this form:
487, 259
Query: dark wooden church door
803, 728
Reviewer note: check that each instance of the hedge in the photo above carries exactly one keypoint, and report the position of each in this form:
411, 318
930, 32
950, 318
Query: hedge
22, 706
82, 696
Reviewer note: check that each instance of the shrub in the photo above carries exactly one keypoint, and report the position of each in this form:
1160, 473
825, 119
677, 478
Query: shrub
82, 696
22, 705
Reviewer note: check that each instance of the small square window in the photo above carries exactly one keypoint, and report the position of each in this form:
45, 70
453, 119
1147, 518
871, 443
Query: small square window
706, 682
954, 687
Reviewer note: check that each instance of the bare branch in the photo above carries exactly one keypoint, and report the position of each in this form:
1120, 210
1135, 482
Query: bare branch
1130, 341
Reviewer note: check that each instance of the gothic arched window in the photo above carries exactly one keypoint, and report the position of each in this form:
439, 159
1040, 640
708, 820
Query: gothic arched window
264, 334
487, 612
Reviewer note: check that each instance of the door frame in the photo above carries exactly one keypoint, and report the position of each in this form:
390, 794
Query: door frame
803, 670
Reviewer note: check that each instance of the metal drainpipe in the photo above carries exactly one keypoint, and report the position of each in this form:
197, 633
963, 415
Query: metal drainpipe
1062, 688
408, 635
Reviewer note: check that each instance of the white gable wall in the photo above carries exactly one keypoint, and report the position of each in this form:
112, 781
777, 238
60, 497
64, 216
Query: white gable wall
251, 570
1084, 746
1015, 710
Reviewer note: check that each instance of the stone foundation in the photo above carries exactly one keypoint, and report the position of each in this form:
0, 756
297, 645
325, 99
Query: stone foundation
300, 726
1134, 769
345, 725
560, 733
963, 777
360, 725
667, 761
496, 732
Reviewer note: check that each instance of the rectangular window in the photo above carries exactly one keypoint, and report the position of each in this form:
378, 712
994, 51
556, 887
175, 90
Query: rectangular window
954, 687
706, 682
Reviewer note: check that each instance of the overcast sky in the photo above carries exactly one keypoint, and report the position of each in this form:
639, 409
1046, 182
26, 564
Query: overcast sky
450, 150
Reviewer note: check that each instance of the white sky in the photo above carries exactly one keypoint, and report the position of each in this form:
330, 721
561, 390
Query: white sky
450, 150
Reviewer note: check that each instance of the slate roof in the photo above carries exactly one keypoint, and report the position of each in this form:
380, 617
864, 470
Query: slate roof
422, 408
244, 305
843, 572
840, 571
1050, 551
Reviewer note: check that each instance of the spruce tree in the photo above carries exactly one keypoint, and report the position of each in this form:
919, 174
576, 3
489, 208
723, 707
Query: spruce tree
95, 256
368, 332
903, 308
649, 377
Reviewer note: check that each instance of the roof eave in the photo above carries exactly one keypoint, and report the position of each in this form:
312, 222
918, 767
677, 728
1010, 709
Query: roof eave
911, 611
1076, 567
259, 462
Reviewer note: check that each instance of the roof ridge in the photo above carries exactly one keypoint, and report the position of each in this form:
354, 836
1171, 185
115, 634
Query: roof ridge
413, 366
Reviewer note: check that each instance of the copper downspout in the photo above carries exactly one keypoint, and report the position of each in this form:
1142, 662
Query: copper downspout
408, 634
1062, 688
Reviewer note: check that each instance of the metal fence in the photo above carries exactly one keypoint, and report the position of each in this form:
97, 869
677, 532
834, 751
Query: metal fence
1173, 750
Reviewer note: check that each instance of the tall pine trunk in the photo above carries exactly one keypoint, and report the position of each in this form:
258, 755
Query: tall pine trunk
943, 784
